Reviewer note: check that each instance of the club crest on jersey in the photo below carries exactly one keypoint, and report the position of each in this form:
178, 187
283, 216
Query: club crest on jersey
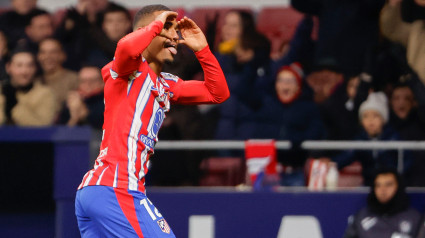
161, 95
164, 226
169, 76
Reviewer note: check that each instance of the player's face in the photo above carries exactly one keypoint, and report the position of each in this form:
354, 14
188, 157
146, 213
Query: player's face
286, 86
116, 25
50, 55
21, 69
372, 122
163, 47
385, 187
402, 102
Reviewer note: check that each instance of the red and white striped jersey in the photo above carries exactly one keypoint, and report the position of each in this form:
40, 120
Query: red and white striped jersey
136, 100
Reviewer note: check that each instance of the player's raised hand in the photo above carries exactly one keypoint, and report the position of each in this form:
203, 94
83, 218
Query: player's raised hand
166, 15
192, 35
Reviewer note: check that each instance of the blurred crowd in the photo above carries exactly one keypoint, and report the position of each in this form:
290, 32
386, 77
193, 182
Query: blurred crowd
349, 70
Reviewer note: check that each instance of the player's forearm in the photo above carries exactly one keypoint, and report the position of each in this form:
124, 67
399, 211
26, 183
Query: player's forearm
130, 47
214, 79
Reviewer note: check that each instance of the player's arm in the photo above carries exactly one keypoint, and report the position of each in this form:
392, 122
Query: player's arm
130, 48
214, 88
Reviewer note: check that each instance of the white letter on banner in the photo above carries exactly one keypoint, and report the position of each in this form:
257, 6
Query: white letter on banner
201, 226
299, 226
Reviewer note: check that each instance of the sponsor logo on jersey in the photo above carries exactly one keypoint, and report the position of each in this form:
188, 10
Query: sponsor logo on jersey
369, 222
164, 226
159, 118
147, 141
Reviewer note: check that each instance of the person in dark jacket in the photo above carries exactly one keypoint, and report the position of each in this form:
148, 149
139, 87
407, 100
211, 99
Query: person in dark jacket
387, 213
246, 67
85, 106
373, 115
290, 114
75, 31
115, 24
348, 31
13, 22
408, 118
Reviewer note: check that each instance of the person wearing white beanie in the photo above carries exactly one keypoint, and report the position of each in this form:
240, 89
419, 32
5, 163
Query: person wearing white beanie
374, 113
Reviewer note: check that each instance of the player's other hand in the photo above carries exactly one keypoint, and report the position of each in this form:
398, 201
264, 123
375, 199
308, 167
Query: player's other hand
166, 16
192, 35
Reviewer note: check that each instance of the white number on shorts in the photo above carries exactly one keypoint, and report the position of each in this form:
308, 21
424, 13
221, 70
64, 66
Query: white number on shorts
145, 203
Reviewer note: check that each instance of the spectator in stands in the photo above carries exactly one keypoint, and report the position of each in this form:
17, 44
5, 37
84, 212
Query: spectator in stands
232, 30
299, 48
325, 78
74, 30
51, 56
4, 50
26, 101
13, 22
388, 213
290, 114
403, 21
246, 67
39, 28
347, 28
373, 115
408, 118
85, 106
339, 112
116, 23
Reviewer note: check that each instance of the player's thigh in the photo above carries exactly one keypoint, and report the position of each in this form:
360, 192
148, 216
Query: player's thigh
99, 214
151, 221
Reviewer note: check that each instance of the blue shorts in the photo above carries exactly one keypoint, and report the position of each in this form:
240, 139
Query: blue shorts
109, 212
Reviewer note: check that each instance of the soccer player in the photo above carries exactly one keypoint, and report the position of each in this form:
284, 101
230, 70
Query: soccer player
111, 200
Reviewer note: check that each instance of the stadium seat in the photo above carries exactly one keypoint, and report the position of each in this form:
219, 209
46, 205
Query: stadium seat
4, 9
351, 176
278, 24
58, 16
222, 171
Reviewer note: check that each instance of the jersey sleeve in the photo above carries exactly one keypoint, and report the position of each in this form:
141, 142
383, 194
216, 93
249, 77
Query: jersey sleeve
127, 57
212, 90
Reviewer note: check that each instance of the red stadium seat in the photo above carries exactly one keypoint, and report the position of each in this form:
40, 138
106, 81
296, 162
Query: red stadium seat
58, 16
278, 24
351, 176
222, 171
4, 9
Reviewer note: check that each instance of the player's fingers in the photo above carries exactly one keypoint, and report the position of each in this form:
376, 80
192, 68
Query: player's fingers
182, 41
185, 23
191, 22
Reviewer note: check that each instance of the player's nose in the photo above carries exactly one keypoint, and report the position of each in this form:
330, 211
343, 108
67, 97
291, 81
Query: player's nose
174, 35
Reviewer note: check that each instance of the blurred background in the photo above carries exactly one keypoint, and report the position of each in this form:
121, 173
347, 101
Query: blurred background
324, 95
